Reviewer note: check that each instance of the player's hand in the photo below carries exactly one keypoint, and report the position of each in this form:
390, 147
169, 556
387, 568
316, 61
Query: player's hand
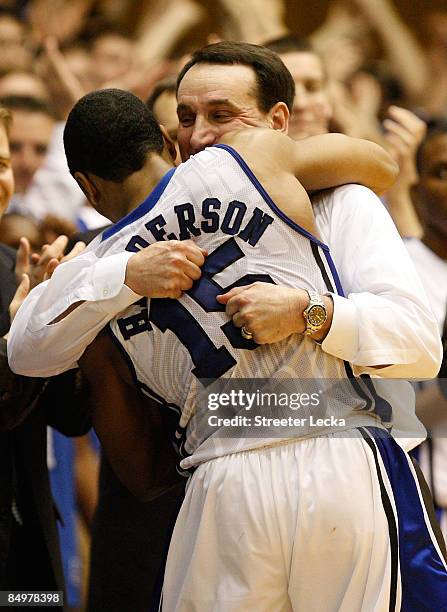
165, 269
269, 312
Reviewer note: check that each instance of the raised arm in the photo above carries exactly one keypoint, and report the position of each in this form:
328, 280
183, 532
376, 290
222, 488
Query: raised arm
318, 162
331, 160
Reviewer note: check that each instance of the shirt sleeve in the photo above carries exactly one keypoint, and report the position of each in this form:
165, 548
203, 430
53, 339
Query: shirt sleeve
39, 346
383, 325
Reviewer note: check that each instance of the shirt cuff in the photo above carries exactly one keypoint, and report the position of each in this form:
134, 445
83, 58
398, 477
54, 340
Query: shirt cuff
342, 338
109, 275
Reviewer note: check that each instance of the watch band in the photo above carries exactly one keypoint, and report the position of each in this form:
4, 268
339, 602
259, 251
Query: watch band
314, 300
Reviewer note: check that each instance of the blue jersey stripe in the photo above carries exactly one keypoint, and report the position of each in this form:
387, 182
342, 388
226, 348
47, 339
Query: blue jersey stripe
269, 200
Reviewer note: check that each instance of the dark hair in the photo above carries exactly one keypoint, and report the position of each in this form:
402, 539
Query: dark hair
275, 83
110, 132
27, 104
436, 128
5, 119
290, 44
167, 84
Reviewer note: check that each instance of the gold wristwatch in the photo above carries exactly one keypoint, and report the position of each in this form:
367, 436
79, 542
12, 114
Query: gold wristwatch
315, 314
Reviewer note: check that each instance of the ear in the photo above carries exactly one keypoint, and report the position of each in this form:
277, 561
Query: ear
89, 189
279, 117
169, 145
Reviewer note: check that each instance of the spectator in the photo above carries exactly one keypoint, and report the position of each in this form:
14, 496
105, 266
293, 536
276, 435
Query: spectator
30, 135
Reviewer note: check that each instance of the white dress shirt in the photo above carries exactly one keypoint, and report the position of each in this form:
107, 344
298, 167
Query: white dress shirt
384, 320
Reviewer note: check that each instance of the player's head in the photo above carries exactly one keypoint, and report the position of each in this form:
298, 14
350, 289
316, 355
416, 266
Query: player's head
311, 108
228, 86
431, 191
6, 176
109, 135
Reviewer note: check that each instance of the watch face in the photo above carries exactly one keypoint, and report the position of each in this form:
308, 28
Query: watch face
317, 315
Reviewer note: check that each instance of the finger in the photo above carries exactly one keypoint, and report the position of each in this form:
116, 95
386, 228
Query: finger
55, 249
185, 283
399, 131
233, 306
190, 269
23, 253
51, 267
78, 248
399, 149
406, 117
239, 320
34, 258
223, 298
175, 294
23, 289
194, 254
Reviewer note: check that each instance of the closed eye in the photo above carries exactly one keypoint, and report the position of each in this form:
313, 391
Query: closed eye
186, 120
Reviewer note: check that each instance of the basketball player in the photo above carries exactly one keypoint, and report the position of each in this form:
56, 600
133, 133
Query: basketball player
241, 236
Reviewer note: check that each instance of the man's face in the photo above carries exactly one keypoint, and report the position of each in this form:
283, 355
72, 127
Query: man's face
29, 138
215, 99
6, 176
111, 57
13, 53
432, 186
311, 108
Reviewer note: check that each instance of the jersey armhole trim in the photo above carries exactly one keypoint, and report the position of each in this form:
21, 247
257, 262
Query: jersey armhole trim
268, 199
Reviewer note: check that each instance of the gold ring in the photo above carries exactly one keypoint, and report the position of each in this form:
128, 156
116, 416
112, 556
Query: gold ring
246, 334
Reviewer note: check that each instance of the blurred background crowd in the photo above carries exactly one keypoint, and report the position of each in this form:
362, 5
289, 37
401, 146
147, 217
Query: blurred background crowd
375, 69
54, 51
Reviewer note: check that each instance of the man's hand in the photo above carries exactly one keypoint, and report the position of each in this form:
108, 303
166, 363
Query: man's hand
40, 267
404, 132
165, 269
271, 313
54, 262
35, 265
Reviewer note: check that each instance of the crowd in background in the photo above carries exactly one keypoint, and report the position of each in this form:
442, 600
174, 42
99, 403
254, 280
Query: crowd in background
376, 81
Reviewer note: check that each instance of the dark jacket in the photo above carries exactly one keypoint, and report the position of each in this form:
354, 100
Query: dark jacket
29, 549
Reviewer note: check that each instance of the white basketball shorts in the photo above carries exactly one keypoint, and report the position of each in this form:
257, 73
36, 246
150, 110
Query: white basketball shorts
328, 524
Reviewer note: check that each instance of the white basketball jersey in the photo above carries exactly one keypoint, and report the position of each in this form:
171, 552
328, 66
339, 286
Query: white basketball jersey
180, 351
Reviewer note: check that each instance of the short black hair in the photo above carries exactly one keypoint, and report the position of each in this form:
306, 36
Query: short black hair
274, 81
110, 132
436, 128
27, 104
290, 44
